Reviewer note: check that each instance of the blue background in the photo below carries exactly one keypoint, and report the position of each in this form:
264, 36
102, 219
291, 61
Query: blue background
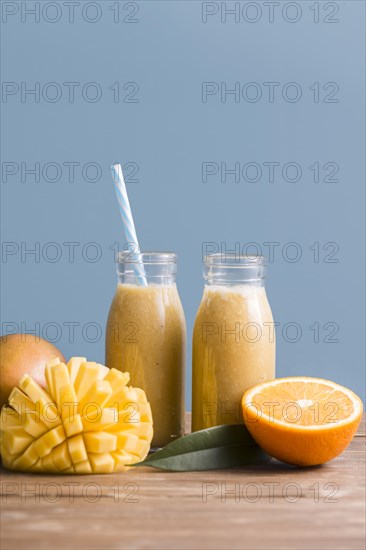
169, 52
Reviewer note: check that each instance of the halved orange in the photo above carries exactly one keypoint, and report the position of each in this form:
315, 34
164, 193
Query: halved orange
302, 420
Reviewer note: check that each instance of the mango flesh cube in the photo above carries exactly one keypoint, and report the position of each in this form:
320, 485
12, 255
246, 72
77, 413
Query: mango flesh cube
48, 374
34, 427
47, 463
60, 379
16, 439
48, 414
68, 401
145, 412
73, 367
129, 415
61, 457
121, 460
133, 444
50, 439
87, 374
26, 460
135, 414
100, 442
101, 463
98, 394
130, 395
73, 425
141, 395
117, 379
103, 420
127, 441
102, 372
122, 395
77, 449
143, 430
83, 467
21, 402
9, 418
86, 421
34, 390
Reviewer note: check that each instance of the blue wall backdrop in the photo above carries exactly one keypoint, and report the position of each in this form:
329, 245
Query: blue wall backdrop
240, 124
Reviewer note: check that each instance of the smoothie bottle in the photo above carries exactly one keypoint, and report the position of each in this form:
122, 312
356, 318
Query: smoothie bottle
233, 338
146, 336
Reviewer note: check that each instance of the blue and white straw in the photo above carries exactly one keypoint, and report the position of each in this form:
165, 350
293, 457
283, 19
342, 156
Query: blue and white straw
127, 219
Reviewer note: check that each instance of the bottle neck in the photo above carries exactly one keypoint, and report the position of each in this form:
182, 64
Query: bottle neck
232, 270
147, 268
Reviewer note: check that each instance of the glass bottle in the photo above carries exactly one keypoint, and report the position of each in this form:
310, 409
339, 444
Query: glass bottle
146, 336
233, 338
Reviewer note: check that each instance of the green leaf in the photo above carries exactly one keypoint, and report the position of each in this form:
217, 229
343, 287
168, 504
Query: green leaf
216, 448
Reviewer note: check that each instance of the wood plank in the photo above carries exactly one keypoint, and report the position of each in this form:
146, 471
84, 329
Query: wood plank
259, 507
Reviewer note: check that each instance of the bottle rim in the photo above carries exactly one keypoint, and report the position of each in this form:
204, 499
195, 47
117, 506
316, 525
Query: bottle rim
146, 258
232, 260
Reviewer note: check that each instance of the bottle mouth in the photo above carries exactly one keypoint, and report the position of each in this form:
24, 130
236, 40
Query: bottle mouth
146, 258
152, 267
234, 269
234, 260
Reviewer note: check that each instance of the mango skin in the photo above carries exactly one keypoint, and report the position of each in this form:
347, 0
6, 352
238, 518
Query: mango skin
21, 354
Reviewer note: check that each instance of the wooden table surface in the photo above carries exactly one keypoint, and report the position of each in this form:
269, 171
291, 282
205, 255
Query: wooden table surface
267, 507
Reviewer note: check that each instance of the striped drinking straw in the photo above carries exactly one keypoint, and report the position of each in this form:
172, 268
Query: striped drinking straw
127, 219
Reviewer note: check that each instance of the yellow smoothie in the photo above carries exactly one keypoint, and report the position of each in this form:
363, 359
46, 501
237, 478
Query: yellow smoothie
233, 349
146, 336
